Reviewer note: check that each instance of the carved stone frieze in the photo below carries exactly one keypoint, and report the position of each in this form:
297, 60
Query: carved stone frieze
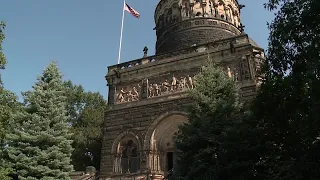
128, 93
174, 82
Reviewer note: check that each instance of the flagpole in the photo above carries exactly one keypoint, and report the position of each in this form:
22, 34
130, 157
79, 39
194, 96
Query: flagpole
119, 56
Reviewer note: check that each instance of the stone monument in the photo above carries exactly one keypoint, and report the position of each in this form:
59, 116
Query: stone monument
147, 97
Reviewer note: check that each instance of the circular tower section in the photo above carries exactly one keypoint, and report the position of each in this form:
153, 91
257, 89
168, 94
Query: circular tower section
184, 23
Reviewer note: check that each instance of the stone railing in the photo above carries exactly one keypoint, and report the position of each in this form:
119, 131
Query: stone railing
220, 44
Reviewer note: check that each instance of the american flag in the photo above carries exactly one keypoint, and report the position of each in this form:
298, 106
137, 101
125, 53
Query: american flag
131, 11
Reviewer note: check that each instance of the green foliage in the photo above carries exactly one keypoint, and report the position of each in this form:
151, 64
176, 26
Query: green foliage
4, 173
3, 61
202, 142
39, 141
8, 103
4, 111
287, 108
86, 114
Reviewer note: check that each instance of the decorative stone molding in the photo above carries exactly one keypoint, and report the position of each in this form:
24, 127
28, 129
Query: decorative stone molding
123, 135
193, 32
215, 45
155, 123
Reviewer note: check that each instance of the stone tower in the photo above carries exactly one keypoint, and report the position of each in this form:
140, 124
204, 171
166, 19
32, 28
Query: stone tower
147, 99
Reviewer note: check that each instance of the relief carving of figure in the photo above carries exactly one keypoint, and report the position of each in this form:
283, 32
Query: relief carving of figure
150, 90
210, 6
197, 9
185, 11
135, 96
228, 17
122, 96
216, 12
174, 83
190, 82
130, 96
166, 85
157, 90
221, 10
181, 83
229, 72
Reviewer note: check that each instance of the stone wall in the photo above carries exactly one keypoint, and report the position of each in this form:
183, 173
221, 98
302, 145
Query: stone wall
134, 110
136, 120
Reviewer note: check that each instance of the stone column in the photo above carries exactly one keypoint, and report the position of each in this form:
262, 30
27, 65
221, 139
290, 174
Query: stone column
117, 164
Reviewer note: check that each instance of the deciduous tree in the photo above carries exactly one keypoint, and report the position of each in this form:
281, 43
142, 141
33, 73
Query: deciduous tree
287, 108
86, 114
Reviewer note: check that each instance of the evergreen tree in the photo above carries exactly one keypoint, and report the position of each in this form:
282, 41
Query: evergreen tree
39, 145
215, 109
8, 102
3, 100
3, 61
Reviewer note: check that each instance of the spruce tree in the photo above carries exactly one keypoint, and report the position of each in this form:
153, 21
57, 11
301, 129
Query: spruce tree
39, 144
3, 100
8, 103
215, 108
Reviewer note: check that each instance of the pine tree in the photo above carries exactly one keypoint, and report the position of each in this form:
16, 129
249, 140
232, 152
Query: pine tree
3, 100
201, 145
39, 145
7, 105
3, 61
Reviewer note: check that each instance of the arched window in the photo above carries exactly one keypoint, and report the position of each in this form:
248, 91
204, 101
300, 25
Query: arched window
128, 151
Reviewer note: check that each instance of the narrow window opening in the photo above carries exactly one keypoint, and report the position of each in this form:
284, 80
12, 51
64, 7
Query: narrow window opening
170, 160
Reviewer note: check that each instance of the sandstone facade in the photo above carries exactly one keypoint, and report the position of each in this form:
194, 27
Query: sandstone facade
147, 97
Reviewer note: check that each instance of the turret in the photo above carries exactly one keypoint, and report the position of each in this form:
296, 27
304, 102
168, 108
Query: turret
185, 23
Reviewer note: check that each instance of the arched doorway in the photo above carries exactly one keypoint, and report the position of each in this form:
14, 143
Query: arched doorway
161, 143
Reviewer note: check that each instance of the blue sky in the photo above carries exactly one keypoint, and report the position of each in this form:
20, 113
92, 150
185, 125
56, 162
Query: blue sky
83, 37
